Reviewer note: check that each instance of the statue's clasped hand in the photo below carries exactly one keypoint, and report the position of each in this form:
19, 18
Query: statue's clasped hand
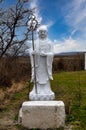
46, 54
38, 53
42, 53
34, 52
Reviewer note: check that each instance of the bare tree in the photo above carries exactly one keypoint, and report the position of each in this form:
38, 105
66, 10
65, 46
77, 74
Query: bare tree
13, 28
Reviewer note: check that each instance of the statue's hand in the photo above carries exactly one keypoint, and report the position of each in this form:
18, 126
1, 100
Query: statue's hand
46, 54
43, 54
35, 53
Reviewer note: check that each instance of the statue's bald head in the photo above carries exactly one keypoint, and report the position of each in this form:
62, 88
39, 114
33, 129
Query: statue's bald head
42, 32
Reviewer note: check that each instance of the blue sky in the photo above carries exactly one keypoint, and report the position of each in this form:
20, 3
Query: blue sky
66, 22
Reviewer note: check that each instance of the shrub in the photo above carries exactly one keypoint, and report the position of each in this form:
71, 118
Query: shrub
5, 81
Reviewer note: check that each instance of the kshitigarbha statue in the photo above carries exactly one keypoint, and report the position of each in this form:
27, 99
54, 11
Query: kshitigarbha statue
43, 54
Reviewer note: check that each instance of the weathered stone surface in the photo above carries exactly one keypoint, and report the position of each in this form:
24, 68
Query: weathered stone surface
43, 114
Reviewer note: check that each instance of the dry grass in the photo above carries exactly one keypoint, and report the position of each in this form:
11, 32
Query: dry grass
6, 95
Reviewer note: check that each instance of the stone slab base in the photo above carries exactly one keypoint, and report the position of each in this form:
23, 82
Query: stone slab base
43, 114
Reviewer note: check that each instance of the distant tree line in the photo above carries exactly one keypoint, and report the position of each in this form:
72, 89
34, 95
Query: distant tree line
14, 70
68, 63
19, 68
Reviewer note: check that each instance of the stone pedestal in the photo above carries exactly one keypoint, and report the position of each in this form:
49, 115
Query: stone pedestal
44, 93
43, 114
41, 96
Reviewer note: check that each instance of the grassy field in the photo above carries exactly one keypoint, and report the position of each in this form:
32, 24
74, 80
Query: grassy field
68, 86
71, 88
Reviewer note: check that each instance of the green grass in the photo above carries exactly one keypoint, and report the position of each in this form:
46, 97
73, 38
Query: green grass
71, 88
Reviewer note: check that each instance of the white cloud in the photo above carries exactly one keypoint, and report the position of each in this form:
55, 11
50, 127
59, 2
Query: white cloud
75, 15
49, 24
34, 5
68, 45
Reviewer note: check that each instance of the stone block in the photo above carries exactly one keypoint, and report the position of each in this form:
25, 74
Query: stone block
43, 114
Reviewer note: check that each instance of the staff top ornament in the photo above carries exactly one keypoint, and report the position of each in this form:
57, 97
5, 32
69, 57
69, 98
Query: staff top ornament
32, 23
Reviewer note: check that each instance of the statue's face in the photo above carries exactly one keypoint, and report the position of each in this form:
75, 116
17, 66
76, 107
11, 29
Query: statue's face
42, 34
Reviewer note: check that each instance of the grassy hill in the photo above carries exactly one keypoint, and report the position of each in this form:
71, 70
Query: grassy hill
68, 86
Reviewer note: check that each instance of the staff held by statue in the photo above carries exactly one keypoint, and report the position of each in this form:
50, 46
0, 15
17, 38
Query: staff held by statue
33, 25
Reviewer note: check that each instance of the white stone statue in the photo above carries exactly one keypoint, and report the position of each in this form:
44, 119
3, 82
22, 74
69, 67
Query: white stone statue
43, 54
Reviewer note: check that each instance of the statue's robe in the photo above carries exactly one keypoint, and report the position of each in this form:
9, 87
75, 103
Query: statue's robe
43, 65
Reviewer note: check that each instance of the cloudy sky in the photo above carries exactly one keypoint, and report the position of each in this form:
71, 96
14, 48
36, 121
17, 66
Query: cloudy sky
66, 21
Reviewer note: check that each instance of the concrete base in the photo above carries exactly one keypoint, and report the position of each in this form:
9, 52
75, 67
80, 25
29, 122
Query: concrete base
43, 114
